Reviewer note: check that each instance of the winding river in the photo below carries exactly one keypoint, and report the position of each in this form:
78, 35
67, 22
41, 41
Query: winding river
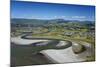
57, 51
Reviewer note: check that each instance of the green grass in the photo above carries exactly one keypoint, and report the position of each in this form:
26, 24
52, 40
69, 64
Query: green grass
28, 55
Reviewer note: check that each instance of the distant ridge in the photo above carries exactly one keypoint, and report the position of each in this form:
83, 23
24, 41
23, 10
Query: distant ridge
43, 21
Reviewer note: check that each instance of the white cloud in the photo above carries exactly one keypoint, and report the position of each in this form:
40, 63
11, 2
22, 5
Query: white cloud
79, 17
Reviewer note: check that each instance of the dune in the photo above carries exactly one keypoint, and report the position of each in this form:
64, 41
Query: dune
19, 40
67, 55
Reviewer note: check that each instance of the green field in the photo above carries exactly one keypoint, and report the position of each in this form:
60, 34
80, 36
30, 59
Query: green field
29, 55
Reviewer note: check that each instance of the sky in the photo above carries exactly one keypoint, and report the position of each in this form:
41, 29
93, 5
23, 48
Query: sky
37, 10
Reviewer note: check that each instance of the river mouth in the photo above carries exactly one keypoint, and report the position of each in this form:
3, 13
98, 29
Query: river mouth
23, 55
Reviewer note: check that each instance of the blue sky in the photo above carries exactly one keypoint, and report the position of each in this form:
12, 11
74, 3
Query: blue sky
36, 10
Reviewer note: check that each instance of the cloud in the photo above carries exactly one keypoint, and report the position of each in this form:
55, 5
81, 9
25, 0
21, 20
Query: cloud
79, 17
